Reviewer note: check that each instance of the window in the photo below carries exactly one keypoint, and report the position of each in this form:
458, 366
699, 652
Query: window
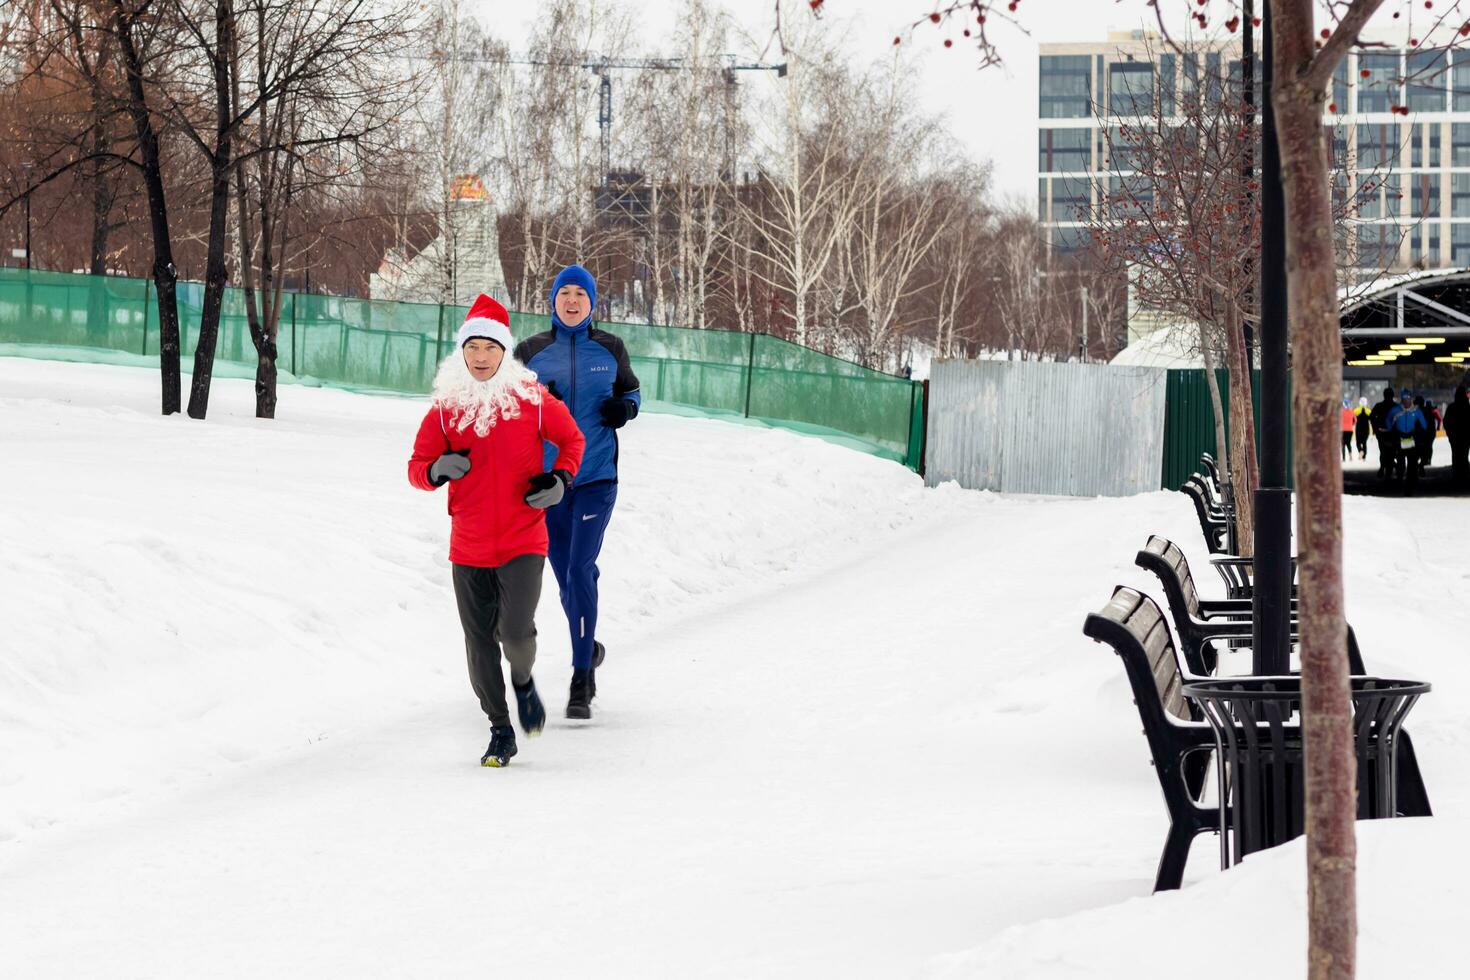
1460, 81
1460, 246
1426, 195
1212, 76
1378, 245
1427, 71
1123, 149
1131, 89
1419, 157
1066, 86
1460, 195
1379, 195
1064, 149
1129, 196
1369, 197
1379, 89
1378, 145
1336, 137
1167, 71
1425, 246
1071, 199
1460, 145
1189, 82
1339, 87
1068, 240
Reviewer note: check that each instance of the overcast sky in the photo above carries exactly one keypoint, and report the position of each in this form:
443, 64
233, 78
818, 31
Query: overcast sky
992, 113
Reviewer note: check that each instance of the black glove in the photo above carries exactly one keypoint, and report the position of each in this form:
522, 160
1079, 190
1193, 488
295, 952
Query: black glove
547, 489
550, 387
617, 411
451, 466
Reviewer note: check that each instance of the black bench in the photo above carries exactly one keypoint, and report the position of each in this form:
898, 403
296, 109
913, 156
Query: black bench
1198, 622
1212, 522
1207, 463
1239, 575
1180, 742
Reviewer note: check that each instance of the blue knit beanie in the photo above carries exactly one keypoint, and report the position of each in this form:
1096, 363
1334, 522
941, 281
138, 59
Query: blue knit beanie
574, 275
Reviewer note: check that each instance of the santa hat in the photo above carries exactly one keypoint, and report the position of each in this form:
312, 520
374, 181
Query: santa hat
487, 319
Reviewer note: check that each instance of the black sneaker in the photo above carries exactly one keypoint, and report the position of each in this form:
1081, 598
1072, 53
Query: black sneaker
599, 652
502, 747
579, 700
530, 709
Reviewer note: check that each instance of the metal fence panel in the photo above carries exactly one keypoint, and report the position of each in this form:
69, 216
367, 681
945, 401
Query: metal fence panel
1036, 427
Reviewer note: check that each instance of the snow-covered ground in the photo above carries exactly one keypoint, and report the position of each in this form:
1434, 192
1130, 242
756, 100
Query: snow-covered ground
847, 727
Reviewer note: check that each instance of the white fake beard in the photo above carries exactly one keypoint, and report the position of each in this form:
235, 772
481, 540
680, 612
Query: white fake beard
483, 403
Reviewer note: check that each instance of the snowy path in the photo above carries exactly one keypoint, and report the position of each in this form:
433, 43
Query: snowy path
796, 755
846, 724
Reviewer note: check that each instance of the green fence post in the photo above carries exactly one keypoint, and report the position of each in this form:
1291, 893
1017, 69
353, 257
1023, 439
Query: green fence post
147, 285
293, 334
749, 373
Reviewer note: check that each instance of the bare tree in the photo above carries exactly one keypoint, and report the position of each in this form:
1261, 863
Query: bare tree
898, 215
302, 127
953, 265
806, 197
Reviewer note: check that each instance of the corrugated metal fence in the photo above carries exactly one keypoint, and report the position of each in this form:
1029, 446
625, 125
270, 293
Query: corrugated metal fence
1038, 427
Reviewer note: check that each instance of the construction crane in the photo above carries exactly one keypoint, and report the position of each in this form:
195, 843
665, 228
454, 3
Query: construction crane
602, 66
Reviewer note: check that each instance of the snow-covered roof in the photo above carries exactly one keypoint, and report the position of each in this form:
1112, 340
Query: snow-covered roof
1172, 346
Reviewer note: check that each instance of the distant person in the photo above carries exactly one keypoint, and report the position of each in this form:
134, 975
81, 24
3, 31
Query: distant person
483, 436
1362, 426
1379, 420
1424, 439
1405, 423
1457, 431
587, 368
1349, 423
1436, 420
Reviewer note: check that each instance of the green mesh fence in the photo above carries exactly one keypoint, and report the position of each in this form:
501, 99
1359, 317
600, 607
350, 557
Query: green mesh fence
373, 344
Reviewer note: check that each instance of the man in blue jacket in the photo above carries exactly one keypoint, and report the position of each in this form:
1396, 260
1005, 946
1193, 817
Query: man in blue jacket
587, 368
1405, 422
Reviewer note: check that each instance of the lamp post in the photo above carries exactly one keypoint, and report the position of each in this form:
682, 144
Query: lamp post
1271, 619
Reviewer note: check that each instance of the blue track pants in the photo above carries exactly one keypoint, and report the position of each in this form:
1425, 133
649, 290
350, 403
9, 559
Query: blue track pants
575, 528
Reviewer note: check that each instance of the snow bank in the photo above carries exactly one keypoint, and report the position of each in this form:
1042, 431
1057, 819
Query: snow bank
1413, 889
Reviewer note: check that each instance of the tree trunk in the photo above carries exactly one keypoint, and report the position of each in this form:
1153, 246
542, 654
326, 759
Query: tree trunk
1244, 474
165, 276
257, 315
219, 203
1217, 405
1317, 391
101, 198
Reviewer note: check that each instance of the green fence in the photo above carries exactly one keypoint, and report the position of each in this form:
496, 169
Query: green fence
373, 344
1189, 422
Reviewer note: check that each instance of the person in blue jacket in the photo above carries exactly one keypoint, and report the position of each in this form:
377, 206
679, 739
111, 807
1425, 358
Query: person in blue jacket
1405, 423
587, 368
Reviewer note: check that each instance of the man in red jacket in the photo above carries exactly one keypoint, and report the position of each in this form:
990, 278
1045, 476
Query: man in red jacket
483, 435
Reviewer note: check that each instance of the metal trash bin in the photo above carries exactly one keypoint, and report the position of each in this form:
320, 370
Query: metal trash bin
1258, 739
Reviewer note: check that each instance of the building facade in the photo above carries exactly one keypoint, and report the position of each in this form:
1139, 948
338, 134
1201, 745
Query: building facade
1404, 179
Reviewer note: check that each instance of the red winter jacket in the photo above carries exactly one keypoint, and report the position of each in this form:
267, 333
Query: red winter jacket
490, 521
